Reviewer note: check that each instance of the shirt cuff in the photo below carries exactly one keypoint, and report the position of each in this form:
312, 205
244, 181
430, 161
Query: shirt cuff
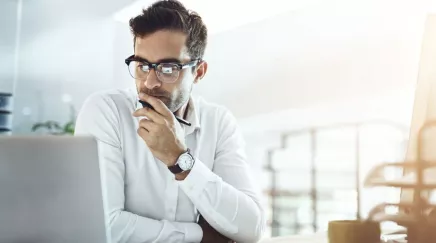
197, 179
193, 233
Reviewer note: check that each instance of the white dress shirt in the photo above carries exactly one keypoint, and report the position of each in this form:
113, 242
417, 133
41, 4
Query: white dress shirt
144, 202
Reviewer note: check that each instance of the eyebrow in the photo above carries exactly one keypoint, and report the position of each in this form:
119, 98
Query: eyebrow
165, 60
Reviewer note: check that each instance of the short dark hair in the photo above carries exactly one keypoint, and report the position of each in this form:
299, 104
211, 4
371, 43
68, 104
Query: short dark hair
172, 15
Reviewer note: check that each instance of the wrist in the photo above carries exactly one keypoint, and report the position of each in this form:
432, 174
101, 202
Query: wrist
181, 176
174, 156
183, 165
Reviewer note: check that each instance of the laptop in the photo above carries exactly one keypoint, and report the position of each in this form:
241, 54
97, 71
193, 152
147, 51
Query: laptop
50, 191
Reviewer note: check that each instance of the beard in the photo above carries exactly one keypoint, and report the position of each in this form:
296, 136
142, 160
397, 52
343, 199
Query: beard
173, 101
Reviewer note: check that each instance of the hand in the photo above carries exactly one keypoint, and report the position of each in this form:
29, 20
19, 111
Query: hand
210, 235
161, 132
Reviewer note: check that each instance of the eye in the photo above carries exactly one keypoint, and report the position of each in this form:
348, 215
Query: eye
168, 69
144, 67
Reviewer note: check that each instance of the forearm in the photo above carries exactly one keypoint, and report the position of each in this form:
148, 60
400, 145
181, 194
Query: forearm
131, 228
99, 118
233, 213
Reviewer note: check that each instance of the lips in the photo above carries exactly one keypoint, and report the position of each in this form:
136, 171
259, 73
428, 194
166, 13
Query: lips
155, 95
160, 97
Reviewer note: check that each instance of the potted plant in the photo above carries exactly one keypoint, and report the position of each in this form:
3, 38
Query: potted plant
55, 128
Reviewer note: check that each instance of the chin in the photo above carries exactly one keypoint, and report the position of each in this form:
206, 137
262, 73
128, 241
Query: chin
166, 102
173, 109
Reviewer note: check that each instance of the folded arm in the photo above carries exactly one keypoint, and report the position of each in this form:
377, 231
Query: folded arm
98, 118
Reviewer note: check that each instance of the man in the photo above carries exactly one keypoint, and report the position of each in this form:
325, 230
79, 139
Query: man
179, 159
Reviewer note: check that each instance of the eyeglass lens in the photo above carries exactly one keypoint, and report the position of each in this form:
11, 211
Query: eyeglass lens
165, 72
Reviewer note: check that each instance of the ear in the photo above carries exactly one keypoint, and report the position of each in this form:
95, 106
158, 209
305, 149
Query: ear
200, 71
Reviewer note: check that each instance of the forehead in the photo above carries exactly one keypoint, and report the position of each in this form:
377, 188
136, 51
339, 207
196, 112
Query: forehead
162, 45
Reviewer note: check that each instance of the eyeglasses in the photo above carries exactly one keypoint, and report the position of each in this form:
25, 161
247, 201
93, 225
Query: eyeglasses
165, 72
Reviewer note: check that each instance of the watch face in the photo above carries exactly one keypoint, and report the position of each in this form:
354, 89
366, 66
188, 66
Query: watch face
185, 162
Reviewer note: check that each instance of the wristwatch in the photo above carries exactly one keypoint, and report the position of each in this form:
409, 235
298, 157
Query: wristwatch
184, 162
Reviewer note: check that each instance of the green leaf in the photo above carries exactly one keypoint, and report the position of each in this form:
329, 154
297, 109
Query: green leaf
69, 128
38, 125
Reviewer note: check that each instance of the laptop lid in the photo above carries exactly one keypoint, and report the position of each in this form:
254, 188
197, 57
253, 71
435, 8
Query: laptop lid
50, 190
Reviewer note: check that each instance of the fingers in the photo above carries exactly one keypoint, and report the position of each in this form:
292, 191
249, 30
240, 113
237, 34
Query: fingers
148, 125
143, 133
147, 130
157, 104
150, 114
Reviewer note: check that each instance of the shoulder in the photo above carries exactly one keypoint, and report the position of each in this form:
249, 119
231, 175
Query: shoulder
216, 114
100, 114
109, 99
211, 110
219, 121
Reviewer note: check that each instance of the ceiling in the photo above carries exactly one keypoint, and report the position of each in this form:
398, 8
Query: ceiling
43, 15
224, 15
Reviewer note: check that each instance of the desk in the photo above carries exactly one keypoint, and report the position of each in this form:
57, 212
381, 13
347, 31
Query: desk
316, 238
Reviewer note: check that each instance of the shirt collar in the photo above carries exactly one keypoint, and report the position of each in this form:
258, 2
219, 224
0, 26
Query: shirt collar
191, 117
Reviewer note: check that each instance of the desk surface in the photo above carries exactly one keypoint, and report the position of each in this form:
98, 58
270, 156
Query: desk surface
317, 238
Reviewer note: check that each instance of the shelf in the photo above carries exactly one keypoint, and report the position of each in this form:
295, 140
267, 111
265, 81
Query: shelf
375, 177
402, 184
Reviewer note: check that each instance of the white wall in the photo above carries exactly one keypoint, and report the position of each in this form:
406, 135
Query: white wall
123, 48
74, 59
328, 54
296, 60
8, 17
287, 63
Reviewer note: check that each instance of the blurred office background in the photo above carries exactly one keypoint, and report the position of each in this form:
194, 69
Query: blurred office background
323, 89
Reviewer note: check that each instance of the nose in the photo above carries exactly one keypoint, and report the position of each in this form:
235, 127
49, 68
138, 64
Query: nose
152, 81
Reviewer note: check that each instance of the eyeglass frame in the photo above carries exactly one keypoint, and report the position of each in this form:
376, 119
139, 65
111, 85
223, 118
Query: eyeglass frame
180, 66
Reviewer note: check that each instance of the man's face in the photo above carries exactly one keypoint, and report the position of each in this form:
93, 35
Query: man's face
166, 46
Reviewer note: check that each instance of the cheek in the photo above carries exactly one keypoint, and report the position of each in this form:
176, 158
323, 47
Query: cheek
139, 84
186, 80
178, 89
172, 89
185, 85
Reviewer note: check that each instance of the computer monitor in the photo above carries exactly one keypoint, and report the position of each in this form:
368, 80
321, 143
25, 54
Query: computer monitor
50, 191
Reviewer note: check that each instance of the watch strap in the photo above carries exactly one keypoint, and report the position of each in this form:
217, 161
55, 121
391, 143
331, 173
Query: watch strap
175, 169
